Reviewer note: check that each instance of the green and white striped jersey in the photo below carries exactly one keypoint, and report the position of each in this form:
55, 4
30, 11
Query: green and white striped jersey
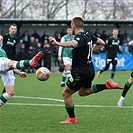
64, 51
2, 53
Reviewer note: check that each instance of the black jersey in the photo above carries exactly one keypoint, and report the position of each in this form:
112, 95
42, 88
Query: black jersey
82, 54
112, 47
9, 45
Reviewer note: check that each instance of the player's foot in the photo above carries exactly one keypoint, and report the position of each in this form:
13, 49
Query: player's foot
35, 59
69, 121
120, 102
62, 84
98, 74
110, 84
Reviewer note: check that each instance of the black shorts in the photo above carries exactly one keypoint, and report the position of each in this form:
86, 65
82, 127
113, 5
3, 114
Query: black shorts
132, 74
80, 81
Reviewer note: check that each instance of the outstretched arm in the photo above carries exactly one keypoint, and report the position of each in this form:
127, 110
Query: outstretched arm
21, 74
72, 43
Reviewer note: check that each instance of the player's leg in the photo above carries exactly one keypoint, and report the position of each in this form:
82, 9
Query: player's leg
114, 63
64, 73
8, 81
105, 68
63, 79
127, 86
67, 92
110, 84
25, 63
67, 70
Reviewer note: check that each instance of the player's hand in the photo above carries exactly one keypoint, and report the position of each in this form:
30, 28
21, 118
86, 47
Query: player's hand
59, 58
23, 74
53, 40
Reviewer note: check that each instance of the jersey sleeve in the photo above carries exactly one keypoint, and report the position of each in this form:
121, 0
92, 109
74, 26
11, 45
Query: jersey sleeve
79, 39
62, 39
60, 51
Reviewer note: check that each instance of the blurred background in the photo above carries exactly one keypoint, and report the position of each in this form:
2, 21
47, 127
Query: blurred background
36, 20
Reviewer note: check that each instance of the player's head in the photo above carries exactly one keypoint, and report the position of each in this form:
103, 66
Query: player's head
77, 23
69, 30
1, 40
115, 32
13, 29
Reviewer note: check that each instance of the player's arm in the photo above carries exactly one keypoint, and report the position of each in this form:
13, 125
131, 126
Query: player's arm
99, 44
72, 43
21, 74
59, 53
60, 49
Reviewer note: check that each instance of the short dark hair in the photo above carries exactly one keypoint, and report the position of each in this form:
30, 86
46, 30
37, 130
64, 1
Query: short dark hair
69, 26
78, 21
115, 28
13, 24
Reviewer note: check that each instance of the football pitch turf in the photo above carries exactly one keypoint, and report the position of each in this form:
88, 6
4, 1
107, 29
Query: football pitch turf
37, 107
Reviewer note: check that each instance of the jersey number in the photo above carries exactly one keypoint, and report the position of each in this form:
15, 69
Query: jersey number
89, 57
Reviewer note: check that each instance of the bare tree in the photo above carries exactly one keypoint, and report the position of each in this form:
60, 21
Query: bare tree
56, 9
52, 7
8, 8
124, 10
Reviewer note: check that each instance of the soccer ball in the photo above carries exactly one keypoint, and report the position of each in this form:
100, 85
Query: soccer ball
42, 73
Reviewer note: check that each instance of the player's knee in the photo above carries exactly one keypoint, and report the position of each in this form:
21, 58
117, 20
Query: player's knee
63, 94
80, 94
11, 93
85, 92
11, 64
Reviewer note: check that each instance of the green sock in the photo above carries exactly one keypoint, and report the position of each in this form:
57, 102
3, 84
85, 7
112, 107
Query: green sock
98, 87
22, 64
63, 76
70, 111
112, 74
126, 88
63, 79
4, 98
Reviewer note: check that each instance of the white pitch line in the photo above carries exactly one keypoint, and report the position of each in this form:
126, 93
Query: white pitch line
39, 98
59, 100
60, 105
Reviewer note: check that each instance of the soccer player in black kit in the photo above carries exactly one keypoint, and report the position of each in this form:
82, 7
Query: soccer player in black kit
9, 43
112, 48
82, 68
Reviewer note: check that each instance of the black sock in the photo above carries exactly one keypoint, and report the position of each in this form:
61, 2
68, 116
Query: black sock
101, 71
126, 88
70, 111
98, 87
112, 75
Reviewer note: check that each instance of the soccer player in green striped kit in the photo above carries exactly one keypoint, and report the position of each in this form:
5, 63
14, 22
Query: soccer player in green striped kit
65, 54
7, 69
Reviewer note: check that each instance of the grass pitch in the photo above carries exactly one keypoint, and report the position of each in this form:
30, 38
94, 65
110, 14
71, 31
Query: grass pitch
37, 107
